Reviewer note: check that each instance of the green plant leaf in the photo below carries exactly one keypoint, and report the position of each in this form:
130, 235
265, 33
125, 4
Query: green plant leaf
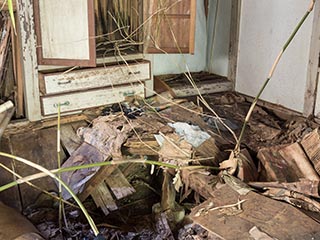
10, 7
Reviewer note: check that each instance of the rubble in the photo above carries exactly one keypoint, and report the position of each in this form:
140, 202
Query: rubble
225, 197
184, 136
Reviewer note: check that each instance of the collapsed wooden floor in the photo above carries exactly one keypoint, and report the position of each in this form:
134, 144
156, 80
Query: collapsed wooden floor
279, 163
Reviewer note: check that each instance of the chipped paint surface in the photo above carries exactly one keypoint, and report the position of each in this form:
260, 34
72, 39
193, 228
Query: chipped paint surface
30, 67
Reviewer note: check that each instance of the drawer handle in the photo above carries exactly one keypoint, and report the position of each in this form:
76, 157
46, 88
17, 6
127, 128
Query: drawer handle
66, 103
137, 72
129, 93
64, 82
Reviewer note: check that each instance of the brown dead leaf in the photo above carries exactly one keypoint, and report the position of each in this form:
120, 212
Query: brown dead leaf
230, 165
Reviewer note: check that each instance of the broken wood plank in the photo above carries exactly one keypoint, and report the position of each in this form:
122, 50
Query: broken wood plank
175, 149
304, 186
160, 86
99, 177
311, 146
201, 182
97, 187
280, 111
103, 198
145, 147
119, 185
22, 126
294, 198
299, 162
227, 218
274, 166
209, 149
76, 180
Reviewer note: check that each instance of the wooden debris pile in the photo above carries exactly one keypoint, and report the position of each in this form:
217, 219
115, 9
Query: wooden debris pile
183, 136
165, 157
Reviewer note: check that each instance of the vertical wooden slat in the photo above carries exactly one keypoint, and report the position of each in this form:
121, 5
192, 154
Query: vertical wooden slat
234, 40
18, 70
192, 26
310, 96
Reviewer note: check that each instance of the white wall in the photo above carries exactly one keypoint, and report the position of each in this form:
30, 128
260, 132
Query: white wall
176, 63
264, 28
218, 36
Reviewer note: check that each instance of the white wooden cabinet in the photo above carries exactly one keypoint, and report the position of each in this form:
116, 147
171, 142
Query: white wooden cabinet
59, 34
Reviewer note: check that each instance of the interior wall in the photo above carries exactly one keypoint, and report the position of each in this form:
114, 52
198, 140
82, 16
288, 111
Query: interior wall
264, 28
179, 63
218, 28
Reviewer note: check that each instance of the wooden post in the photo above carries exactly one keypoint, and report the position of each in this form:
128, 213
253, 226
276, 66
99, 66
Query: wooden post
313, 65
234, 40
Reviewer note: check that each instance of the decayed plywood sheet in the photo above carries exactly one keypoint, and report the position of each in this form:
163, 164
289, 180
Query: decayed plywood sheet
277, 219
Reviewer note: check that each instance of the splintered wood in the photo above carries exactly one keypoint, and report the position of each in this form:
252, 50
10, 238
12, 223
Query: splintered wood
285, 163
311, 146
102, 142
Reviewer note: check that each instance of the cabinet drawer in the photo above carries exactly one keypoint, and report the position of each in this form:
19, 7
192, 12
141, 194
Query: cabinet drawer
54, 83
87, 99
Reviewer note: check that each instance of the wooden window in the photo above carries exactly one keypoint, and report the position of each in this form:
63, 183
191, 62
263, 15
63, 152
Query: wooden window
170, 26
65, 32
